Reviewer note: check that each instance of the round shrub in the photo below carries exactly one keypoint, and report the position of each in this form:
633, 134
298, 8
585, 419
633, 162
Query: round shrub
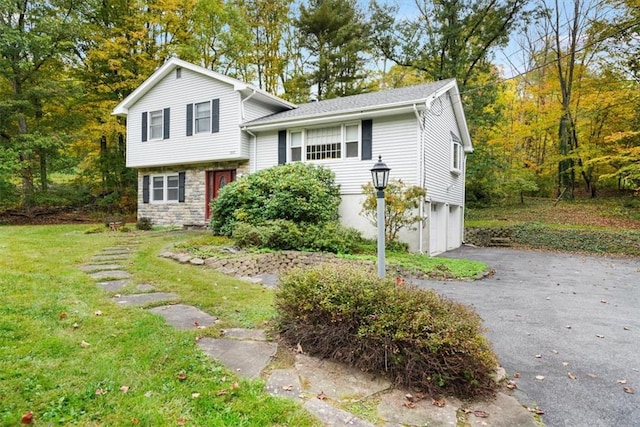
297, 192
414, 336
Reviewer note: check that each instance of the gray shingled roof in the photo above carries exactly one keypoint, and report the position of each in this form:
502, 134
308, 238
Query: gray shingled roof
404, 95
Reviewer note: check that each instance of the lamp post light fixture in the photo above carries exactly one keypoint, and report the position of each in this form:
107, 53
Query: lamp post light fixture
380, 177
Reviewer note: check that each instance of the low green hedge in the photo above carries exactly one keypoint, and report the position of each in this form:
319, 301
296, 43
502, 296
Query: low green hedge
413, 336
577, 240
281, 234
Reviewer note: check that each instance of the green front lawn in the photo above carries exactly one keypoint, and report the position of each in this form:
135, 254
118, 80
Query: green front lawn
71, 366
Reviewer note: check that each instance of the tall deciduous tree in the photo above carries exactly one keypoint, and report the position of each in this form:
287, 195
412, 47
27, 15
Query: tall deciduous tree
336, 35
36, 37
448, 38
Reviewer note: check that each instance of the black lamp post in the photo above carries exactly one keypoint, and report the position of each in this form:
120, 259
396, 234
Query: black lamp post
380, 177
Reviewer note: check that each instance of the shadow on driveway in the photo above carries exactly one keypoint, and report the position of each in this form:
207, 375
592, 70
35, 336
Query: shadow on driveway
560, 316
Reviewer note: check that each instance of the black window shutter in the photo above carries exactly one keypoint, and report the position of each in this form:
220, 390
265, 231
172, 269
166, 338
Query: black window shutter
282, 147
215, 115
144, 126
189, 119
181, 178
165, 123
367, 139
145, 189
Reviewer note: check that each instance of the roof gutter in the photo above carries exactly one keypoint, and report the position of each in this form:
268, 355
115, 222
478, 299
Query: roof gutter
312, 120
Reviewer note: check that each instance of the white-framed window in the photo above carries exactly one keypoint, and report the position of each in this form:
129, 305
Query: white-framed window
203, 117
325, 143
165, 188
296, 146
155, 125
351, 140
456, 153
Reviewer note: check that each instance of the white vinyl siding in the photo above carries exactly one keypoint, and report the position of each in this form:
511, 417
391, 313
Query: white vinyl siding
442, 185
182, 149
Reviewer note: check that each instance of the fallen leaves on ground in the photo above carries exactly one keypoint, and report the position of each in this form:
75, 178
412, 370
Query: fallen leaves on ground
287, 387
321, 395
299, 349
628, 390
536, 411
84, 344
516, 375
124, 389
62, 315
622, 381
409, 404
27, 418
222, 392
98, 313
182, 376
511, 385
481, 414
195, 395
540, 377
101, 392
599, 336
439, 403
570, 375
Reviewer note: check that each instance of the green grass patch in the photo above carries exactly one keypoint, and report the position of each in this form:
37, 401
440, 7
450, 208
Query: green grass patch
48, 310
435, 267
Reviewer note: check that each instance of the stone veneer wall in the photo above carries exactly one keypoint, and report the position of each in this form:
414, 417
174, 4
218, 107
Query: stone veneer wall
192, 211
483, 236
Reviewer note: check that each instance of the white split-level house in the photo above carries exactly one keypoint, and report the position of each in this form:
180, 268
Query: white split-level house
191, 130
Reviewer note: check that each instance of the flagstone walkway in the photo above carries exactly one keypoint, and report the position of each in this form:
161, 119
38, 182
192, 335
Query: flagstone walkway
322, 387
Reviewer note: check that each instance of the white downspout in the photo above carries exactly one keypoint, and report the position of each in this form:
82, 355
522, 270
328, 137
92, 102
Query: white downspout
420, 177
242, 115
255, 150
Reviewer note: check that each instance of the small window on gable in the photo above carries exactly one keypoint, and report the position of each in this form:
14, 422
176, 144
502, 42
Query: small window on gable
178, 72
203, 117
296, 146
155, 124
456, 153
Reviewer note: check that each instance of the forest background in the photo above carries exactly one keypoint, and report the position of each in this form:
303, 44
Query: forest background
550, 88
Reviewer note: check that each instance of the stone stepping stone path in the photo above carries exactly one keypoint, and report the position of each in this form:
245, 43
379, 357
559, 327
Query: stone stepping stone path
110, 274
114, 285
144, 299
183, 316
318, 385
246, 358
91, 268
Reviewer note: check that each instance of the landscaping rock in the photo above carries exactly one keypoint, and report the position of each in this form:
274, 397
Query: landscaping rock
145, 288
504, 411
196, 261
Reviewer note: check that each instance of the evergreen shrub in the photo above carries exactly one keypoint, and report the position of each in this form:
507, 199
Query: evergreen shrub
415, 337
287, 235
144, 223
296, 192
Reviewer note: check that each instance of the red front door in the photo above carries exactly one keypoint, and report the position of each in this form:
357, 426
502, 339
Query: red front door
215, 181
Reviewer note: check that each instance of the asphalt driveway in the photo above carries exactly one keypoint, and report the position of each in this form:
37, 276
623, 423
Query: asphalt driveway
572, 319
